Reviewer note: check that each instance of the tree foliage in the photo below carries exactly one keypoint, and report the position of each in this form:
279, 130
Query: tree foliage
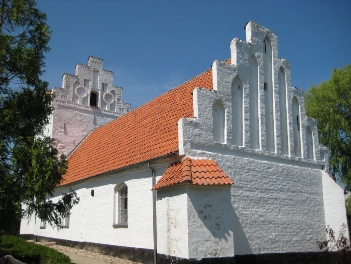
330, 104
30, 169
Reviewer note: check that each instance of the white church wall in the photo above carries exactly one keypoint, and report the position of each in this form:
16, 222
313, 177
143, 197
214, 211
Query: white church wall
276, 197
210, 222
72, 124
280, 202
334, 198
76, 112
92, 219
28, 225
49, 127
172, 222
276, 207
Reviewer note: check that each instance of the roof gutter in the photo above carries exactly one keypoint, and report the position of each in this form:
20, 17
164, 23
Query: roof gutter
154, 220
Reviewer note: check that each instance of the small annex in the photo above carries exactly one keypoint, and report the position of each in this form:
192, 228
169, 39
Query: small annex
223, 166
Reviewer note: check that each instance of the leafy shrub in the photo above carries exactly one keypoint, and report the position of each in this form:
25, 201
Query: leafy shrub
29, 252
335, 244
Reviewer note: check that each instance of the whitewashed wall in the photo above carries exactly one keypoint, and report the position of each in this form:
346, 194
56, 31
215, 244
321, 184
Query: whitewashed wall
28, 225
279, 201
277, 197
172, 222
334, 200
211, 222
72, 123
73, 117
92, 219
276, 207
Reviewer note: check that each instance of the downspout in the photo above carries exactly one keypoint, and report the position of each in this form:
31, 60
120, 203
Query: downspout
154, 212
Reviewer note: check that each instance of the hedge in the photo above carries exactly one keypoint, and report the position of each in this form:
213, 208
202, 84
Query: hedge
30, 253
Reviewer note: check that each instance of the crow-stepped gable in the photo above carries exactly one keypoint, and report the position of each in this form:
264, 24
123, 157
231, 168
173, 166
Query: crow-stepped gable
87, 99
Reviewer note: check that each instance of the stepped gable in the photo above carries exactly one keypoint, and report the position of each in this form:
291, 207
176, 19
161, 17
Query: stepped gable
145, 133
194, 171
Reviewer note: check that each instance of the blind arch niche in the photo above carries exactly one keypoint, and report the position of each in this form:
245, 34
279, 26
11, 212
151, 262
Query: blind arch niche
218, 116
237, 111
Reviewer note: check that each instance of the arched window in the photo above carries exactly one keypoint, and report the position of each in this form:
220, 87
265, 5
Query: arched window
93, 99
309, 143
121, 206
237, 111
218, 115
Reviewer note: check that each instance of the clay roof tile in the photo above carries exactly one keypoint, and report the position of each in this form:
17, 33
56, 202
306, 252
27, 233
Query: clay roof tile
148, 132
197, 172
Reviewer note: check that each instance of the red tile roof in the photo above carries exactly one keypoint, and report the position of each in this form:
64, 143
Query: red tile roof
198, 172
145, 133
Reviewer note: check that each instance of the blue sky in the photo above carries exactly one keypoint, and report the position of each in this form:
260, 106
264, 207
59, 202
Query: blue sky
152, 46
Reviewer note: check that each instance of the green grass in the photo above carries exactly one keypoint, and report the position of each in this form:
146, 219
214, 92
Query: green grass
30, 253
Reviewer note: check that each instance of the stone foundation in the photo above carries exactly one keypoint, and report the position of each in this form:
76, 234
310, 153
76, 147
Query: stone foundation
146, 255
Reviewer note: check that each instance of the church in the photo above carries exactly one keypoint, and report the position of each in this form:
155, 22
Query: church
223, 166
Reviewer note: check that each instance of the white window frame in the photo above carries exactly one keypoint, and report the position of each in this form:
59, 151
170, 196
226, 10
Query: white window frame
120, 210
42, 224
65, 222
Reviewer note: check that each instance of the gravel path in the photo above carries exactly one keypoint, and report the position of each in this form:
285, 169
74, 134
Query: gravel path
81, 256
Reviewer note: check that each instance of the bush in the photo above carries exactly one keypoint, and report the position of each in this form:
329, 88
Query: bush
29, 252
333, 244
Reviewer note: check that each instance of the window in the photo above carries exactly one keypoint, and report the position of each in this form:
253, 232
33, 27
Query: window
93, 99
86, 83
42, 224
121, 206
104, 87
65, 222
265, 86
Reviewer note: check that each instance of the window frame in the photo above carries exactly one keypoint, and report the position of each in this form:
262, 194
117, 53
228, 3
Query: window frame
120, 206
42, 224
65, 221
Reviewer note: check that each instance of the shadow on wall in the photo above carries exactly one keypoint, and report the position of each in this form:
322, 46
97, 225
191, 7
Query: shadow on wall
214, 223
241, 243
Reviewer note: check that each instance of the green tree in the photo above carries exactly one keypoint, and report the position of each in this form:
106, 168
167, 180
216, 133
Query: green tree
330, 104
348, 213
30, 169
